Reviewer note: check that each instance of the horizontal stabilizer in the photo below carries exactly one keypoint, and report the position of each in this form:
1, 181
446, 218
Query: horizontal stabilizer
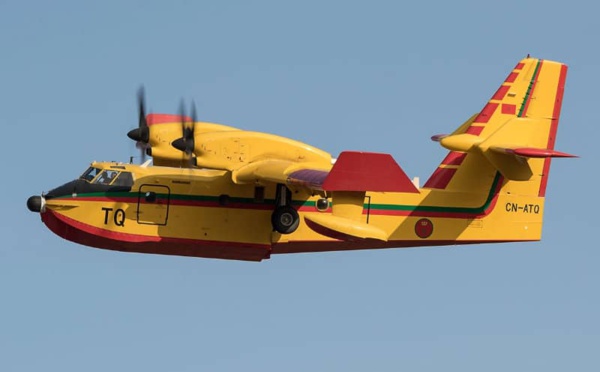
531, 152
464, 128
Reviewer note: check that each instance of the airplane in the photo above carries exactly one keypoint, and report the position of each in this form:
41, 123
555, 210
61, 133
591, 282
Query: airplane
215, 191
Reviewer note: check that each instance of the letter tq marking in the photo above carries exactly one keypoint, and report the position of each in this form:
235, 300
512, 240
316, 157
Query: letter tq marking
119, 217
106, 210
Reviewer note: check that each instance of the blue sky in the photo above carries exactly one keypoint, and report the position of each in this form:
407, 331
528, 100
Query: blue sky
379, 76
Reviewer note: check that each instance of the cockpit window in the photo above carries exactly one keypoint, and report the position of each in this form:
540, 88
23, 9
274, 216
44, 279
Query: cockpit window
97, 176
106, 177
123, 179
90, 174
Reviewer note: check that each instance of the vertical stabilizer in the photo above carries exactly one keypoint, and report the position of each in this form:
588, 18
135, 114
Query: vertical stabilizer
514, 134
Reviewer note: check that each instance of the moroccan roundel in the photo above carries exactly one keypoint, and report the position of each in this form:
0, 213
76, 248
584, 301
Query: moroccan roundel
424, 228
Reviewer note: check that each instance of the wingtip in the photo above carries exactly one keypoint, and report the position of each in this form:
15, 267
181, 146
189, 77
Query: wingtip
438, 137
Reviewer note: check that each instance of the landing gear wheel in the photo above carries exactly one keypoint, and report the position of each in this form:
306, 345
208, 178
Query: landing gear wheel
285, 219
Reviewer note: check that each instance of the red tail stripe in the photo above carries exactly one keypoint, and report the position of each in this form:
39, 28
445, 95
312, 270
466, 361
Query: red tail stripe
487, 112
454, 158
501, 92
509, 109
512, 77
440, 178
474, 130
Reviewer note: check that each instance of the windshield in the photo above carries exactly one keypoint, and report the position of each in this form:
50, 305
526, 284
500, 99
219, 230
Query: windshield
105, 178
111, 177
90, 174
114, 178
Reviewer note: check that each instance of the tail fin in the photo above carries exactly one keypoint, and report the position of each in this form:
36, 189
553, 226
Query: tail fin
514, 134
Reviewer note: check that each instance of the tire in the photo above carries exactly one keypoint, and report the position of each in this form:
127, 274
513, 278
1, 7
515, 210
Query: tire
285, 219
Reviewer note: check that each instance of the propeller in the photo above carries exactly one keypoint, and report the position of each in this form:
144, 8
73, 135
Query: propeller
186, 142
141, 134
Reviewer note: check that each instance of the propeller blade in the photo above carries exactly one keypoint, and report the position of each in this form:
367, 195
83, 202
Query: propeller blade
186, 142
141, 134
194, 115
141, 98
190, 139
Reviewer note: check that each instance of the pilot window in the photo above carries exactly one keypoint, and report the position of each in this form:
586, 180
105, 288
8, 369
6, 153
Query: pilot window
123, 179
106, 177
90, 174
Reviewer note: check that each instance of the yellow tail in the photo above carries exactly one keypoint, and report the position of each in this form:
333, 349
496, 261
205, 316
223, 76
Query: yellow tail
513, 136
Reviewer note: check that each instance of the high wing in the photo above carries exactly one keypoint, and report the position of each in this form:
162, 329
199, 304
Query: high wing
279, 171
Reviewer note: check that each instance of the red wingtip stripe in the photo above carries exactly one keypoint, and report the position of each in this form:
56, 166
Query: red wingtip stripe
519, 66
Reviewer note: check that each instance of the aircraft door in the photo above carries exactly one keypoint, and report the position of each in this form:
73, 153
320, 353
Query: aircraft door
153, 205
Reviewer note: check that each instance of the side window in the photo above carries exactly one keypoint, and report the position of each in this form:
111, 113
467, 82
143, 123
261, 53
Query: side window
106, 177
123, 179
90, 174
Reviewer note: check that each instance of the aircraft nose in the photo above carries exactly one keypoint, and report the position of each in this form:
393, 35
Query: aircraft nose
35, 203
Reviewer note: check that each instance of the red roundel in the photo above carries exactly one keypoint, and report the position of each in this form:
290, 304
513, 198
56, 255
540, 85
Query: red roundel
423, 228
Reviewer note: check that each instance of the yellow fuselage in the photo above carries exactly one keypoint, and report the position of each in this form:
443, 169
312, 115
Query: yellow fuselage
201, 212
